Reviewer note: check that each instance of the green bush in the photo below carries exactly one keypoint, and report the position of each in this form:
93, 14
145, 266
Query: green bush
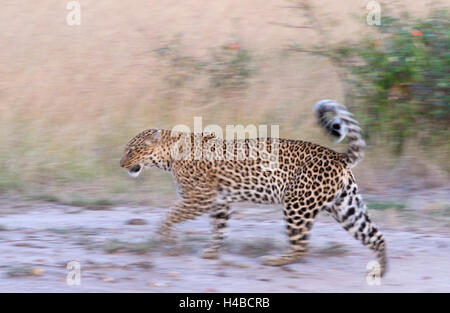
400, 77
227, 69
230, 68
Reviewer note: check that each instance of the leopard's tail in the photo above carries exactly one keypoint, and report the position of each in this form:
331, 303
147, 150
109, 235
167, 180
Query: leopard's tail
341, 124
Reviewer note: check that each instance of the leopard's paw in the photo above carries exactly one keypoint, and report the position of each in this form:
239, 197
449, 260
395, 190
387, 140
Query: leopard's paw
210, 253
279, 260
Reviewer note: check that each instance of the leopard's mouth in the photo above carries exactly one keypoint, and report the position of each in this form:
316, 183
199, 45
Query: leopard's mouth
135, 171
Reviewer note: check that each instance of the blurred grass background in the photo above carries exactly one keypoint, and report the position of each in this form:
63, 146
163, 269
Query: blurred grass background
71, 97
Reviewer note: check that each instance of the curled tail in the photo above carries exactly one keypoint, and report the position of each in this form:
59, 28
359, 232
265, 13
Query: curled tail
341, 125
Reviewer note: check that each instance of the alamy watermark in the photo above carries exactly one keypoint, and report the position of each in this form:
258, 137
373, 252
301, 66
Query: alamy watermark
213, 143
74, 15
373, 277
73, 277
374, 15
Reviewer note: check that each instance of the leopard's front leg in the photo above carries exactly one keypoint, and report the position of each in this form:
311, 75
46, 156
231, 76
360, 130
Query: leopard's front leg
184, 210
219, 217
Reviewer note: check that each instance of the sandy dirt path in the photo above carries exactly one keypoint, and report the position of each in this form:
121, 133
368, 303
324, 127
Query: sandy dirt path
37, 242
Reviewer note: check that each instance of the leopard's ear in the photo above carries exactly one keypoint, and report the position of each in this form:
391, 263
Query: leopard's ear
154, 137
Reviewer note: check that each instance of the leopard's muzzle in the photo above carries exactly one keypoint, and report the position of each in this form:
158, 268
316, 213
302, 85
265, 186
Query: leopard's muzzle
135, 170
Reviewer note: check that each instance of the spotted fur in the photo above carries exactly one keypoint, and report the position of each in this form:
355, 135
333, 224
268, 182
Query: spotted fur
304, 177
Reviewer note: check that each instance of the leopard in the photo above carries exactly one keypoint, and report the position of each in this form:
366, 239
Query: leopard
303, 177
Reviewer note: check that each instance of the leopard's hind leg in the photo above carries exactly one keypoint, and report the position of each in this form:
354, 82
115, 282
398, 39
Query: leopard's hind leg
350, 211
303, 200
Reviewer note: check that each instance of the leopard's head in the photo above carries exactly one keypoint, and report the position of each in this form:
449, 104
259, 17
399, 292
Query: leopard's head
145, 150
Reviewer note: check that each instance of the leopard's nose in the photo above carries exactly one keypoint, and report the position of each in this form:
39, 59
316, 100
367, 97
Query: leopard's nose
135, 168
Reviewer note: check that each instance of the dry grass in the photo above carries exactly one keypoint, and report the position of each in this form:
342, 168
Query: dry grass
333, 249
254, 247
113, 246
71, 97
